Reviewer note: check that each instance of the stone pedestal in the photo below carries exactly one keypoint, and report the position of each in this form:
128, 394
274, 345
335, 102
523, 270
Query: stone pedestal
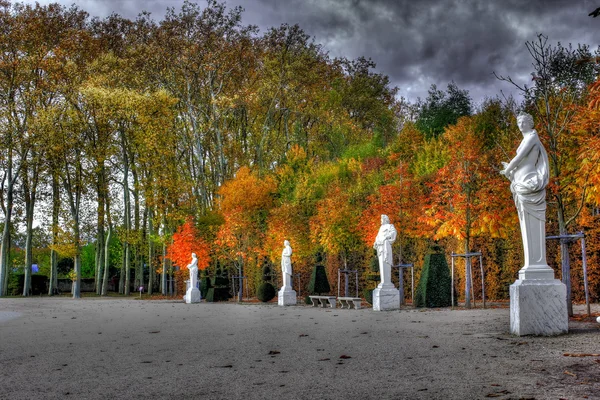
286, 296
192, 295
386, 298
538, 307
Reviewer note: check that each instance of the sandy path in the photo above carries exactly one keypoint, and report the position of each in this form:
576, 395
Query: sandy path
107, 348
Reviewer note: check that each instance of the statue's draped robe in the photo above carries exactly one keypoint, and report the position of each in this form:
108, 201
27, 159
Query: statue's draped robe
286, 266
383, 243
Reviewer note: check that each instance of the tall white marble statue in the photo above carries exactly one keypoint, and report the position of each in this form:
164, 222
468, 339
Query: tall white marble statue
286, 264
538, 301
383, 244
385, 296
286, 295
192, 294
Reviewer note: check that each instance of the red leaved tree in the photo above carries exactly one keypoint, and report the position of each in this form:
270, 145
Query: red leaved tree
185, 242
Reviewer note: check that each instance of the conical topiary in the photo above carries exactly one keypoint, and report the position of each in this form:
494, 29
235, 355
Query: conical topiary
318, 280
265, 291
434, 288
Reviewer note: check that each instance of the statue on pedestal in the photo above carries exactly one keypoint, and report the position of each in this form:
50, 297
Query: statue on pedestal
383, 244
192, 294
538, 304
286, 295
286, 264
529, 176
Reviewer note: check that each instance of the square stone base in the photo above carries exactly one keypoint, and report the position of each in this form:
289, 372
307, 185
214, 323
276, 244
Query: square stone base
538, 307
286, 297
192, 295
386, 299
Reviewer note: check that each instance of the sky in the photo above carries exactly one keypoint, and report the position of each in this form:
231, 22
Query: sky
416, 43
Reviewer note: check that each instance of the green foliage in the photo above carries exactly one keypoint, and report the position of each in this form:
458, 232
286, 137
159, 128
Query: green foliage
39, 284
265, 292
434, 287
266, 272
362, 151
318, 281
204, 283
368, 295
88, 260
221, 286
442, 109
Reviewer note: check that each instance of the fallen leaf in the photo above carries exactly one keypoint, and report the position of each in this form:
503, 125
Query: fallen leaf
570, 373
344, 357
581, 355
274, 352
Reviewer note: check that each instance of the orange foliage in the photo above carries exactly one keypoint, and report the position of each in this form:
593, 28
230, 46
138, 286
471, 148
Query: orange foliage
335, 224
397, 201
185, 242
464, 199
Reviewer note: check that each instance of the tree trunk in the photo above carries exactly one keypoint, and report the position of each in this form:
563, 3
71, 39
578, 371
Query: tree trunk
5, 247
77, 281
564, 254
163, 281
53, 256
126, 216
467, 276
150, 252
101, 194
28, 247
107, 259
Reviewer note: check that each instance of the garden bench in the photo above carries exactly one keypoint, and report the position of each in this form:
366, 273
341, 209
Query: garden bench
324, 300
348, 302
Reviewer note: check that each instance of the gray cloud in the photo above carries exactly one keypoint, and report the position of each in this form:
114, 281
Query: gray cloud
415, 43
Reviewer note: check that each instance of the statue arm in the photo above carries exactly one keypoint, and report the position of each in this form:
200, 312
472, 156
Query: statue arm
526, 146
393, 234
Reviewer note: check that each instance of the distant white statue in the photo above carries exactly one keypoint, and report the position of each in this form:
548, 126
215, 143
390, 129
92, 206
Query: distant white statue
286, 264
192, 294
383, 244
529, 176
193, 268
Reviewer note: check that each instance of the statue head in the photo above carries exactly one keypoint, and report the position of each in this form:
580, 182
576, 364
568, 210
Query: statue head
286, 243
525, 122
194, 255
385, 219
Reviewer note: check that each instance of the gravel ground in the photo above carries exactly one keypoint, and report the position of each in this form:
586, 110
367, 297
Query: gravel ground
124, 348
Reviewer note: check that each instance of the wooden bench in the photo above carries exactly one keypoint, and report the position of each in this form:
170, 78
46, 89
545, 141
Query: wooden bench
323, 300
348, 302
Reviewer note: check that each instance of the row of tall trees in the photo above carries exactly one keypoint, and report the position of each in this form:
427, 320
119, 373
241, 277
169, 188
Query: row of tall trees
119, 129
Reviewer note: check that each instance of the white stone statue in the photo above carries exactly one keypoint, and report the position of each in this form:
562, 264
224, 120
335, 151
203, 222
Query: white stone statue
286, 264
383, 244
538, 304
192, 294
193, 268
286, 295
529, 175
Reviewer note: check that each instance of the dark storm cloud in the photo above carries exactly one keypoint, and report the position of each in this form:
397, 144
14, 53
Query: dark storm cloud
416, 43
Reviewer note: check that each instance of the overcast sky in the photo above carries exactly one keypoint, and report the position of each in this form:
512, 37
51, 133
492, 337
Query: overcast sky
415, 42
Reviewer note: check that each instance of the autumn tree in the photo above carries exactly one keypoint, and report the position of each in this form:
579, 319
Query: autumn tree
463, 200
245, 202
186, 241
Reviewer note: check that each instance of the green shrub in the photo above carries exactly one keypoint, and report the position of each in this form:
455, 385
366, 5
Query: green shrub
318, 281
15, 284
204, 285
368, 295
434, 288
307, 300
265, 292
